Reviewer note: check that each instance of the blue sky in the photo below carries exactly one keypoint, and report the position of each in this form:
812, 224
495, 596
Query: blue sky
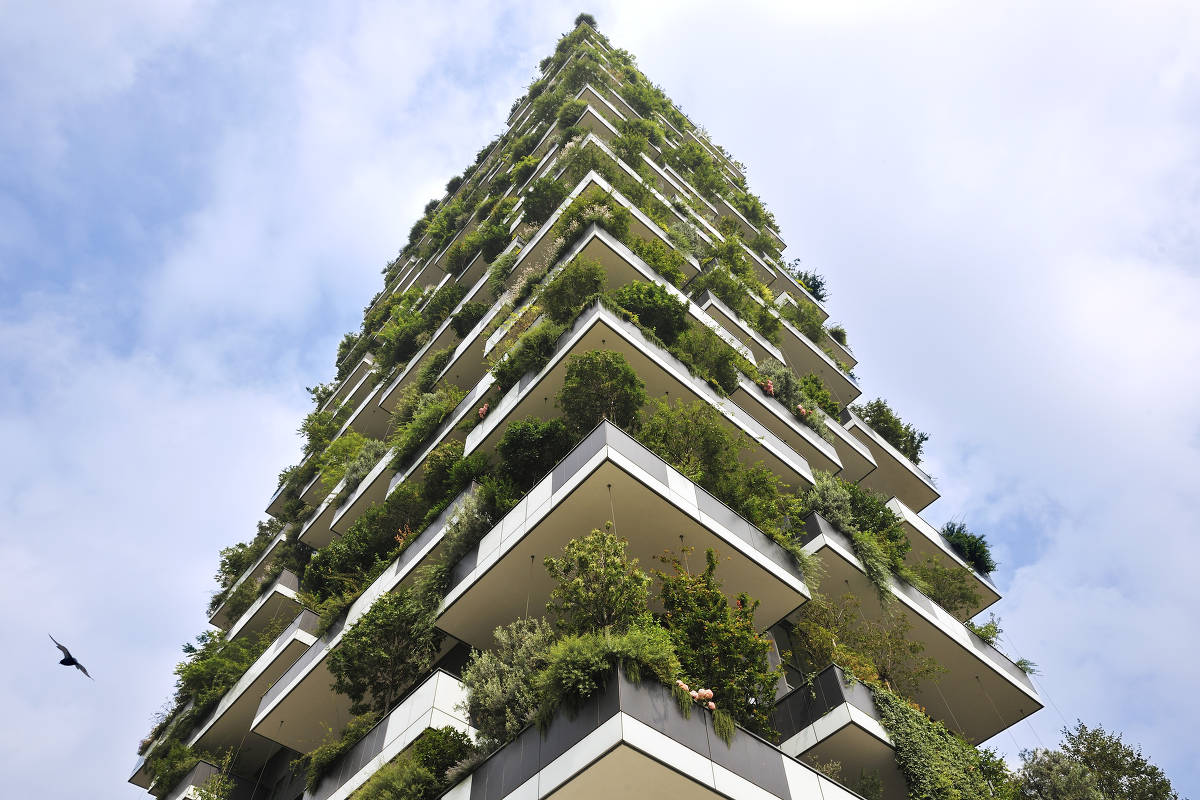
196, 199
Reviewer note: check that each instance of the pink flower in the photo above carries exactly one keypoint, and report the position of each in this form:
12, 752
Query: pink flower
682, 685
708, 694
804, 412
769, 387
483, 410
711, 706
695, 695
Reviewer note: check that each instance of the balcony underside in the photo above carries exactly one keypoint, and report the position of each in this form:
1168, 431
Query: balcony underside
928, 541
654, 512
980, 693
804, 357
894, 474
279, 603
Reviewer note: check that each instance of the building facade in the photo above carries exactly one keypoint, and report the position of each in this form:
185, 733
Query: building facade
593, 329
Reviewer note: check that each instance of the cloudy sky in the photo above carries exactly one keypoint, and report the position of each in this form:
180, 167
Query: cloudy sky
196, 199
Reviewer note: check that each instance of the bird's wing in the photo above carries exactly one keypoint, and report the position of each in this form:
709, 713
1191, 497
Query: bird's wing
82, 669
65, 651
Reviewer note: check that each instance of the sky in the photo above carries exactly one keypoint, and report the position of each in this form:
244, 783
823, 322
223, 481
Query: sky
197, 198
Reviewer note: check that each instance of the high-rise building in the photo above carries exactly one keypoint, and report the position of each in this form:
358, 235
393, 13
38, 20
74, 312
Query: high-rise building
594, 330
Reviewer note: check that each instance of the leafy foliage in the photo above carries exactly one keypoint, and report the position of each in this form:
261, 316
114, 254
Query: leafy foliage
600, 385
578, 281
325, 755
655, 308
972, 547
599, 586
531, 447
388, 648
542, 198
1091, 764
814, 282
936, 763
953, 588
717, 644
501, 699
900, 435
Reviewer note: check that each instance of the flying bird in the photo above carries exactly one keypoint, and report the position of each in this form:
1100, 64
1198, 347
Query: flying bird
68, 660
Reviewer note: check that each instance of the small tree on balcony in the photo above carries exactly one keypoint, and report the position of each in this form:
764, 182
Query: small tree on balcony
387, 649
600, 588
600, 385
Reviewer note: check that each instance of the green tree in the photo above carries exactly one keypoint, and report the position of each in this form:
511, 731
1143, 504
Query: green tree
717, 644
600, 385
953, 588
500, 694
531, 447
899, 434
389, 647
1121, 770
971, 546
579, 280
1054, 775
543, 197
599, 586
655, 308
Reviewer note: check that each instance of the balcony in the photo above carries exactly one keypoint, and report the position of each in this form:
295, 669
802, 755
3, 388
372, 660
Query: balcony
354, 386
771, 415
631, 740
227, 725
256, 572
279, 601
299, 708
804, 356
982, 692
187, 788
664, 376
894, 474
728, 319
801, 292
611, 477
434, 703
443, 337
835, 719
369, 418
928, 541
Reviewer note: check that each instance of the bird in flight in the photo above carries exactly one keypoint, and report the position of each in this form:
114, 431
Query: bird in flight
68, 660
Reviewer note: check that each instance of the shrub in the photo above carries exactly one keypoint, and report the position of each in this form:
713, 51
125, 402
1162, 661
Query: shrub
569, 112
578, 281
600, 385
530, 448
388, 648
812, 281
532, 351
660, 257
805, 316
709, 356
325, 755
655, 308
349, 562
366, 459
874, 650
989, 631
542, 199
501, 699
337, 457
972, 547
522, 169
432, 369
599, 586
952, 588
467, 317
417, 417
900, 435
453, 184
498, 273
578, 666
717, 644
586, 19
838, 334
